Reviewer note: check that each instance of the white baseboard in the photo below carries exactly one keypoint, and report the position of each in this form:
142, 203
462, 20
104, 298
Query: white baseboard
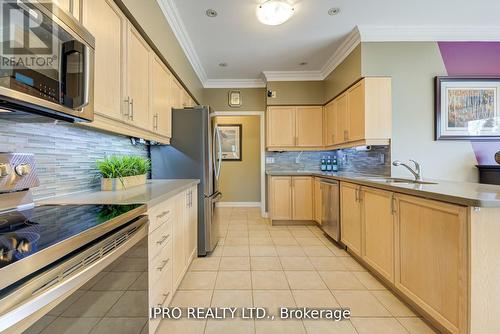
238, 204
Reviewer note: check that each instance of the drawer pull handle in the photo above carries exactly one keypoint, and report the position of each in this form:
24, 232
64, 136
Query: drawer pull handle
163, 214
163, 239
160, 268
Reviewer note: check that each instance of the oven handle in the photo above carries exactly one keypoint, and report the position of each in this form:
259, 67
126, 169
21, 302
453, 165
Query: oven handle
23, 315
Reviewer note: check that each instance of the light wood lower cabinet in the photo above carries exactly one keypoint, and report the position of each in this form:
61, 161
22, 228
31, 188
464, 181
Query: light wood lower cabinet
431, 260
172, 245
291, 198
317, 200
378, 230
350, 213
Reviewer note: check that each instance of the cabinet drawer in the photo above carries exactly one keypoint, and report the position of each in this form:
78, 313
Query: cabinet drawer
160, 263
160, 295
160, 214
159, 238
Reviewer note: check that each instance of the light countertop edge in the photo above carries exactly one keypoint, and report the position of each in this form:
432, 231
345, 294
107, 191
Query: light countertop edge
151, 194
461, 193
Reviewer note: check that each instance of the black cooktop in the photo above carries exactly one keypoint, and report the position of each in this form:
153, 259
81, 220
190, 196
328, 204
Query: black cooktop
23, 233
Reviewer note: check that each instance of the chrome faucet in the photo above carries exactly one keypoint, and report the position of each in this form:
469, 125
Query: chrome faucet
417, 173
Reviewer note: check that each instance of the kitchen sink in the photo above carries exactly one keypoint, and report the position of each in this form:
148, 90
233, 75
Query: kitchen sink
397, 180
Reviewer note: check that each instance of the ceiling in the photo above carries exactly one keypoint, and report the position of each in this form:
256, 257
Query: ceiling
250, 48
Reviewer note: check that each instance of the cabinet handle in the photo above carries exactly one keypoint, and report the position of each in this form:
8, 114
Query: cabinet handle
163, 239
155, 122
360, 194
163, 214
393, 204
164, 263
127, 101
346, 135
132, 109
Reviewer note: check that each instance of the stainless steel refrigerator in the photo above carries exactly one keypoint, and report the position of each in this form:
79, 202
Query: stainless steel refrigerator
194, 153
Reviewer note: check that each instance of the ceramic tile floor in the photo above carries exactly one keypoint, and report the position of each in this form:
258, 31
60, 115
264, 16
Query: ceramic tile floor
256, 264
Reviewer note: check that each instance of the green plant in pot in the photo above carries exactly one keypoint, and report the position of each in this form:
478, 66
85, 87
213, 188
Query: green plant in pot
123, 172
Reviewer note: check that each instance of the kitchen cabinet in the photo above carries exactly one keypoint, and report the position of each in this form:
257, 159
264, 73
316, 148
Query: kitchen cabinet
192, 224
280, 127
291, 198
317, 200
138, 79
161, 99
341, 119
72, 7
302, 198
176, 93
108, 25
431, 258
309, 123
330, 123
378, 209
293, 128
350, 216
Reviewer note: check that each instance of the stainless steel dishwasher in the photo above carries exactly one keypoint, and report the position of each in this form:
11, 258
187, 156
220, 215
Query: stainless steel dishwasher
330, 208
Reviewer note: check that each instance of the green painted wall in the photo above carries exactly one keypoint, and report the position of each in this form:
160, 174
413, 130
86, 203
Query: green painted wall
296, 93
253, 99
151, 19
344, 75
413, 66
240, 180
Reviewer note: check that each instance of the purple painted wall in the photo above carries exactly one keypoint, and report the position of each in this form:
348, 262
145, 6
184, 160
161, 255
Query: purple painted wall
474, 58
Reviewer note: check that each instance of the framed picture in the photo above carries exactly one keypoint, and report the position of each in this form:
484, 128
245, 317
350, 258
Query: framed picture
235, 98
231, 141
467, 108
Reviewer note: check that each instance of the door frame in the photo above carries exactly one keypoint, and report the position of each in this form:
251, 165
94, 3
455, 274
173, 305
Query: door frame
262, 130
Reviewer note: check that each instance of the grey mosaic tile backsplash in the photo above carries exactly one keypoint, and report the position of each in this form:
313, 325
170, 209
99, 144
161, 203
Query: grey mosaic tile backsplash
65, 154
377, 161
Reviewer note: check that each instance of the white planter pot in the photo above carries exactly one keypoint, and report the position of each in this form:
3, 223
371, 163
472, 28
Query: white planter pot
123, 183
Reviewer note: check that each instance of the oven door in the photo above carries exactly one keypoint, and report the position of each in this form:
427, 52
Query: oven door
106, 282
47, 62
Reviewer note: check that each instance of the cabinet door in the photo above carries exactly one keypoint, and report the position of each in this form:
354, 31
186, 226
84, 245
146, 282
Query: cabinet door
341, 132
193, 221
378, 230
178, 246
330, 124
176, 93
356, 111
138, 72
281, 198
108, 25
161, 104
309, 123
350, 221
302, 198
191, 224
317, 200
431, 258
281, 127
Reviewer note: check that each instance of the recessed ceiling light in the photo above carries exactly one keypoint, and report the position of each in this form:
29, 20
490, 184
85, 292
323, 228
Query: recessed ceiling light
333, 11
223, 64
211, 12
274, 12
304, 63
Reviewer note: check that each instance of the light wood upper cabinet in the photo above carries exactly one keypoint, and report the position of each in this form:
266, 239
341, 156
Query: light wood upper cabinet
281, 127
108, 25
356, 112
330, 123
350, 216
302, 197
138, 71
176, 93
72, 7
431, 258
309, 123
280, 197
317, 200
161, 105
341, 120
378, 230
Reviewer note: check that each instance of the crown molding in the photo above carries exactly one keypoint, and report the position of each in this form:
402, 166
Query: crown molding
234, 83
174, 20
429, 33
292, 75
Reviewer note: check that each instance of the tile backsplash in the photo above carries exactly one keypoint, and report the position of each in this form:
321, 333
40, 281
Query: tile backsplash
65, 154
375, 161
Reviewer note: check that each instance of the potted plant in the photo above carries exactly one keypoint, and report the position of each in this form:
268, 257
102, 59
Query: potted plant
123, 172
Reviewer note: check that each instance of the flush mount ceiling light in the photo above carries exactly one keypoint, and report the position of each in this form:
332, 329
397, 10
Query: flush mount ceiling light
274, 12
211, 12
333, 11
223, 64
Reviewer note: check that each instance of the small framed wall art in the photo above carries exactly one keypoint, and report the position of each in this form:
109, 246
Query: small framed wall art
467, 108
234, 98
231, 141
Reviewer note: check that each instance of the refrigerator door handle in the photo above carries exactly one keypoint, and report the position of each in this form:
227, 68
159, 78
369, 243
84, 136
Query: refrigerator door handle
220, 153
214, 160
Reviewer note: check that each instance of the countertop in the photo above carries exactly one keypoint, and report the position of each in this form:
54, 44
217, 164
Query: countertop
462, 193
152, 193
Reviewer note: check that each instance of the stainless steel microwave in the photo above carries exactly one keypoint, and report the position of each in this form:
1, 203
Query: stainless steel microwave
46, 63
